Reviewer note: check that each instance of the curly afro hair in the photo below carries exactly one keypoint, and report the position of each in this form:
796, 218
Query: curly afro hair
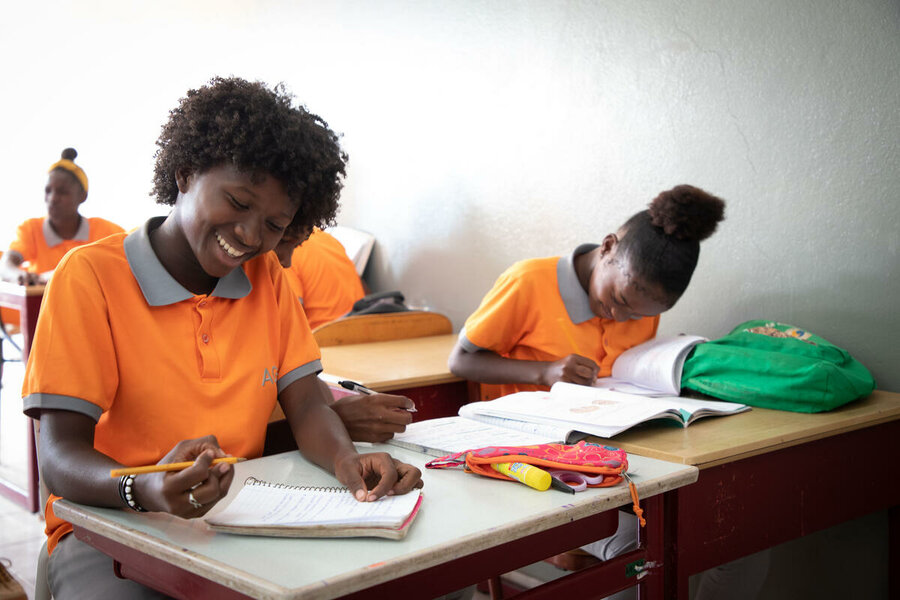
662, 243
259, 132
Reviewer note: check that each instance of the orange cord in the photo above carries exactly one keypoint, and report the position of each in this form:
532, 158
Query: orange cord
635, 501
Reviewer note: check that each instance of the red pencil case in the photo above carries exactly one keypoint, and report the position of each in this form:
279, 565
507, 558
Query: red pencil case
583, 457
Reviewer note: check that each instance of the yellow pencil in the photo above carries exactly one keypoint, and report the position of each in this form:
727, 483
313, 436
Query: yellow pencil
168, 467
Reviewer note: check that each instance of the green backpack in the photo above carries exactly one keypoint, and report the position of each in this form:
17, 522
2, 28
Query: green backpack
773, 365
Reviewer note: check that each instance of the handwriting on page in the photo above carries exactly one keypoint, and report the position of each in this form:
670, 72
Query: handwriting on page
260, 505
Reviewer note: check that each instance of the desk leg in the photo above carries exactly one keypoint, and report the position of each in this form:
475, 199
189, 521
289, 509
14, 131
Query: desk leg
894, 552
30, 496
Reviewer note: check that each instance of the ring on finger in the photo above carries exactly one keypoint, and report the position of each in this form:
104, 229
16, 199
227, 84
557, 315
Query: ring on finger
193, 500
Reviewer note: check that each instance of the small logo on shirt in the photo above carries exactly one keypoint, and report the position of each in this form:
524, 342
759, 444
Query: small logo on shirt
270, 375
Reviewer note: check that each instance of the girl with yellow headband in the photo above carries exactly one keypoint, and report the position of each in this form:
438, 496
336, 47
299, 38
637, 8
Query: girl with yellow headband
42, 242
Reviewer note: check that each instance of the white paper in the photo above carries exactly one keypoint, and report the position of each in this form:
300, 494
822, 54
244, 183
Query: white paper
448, 435
263, 505
656, 364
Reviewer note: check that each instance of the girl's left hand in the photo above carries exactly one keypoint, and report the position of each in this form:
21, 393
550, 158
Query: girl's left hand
371, 476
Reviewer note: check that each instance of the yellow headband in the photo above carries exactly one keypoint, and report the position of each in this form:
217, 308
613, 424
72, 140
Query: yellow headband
68, 165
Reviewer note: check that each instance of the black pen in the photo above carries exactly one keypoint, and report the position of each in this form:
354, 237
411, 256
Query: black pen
356, 387
361, 389
559, 484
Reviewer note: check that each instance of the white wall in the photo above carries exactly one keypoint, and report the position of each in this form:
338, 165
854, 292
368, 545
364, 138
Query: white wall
485, 132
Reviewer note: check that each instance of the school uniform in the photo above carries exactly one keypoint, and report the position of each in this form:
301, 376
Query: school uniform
119, 340
537, 309
324, 278
43, 248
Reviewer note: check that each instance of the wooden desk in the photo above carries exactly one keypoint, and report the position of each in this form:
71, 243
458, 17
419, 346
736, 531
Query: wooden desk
770, 476
415, 367
27, 300
468, 529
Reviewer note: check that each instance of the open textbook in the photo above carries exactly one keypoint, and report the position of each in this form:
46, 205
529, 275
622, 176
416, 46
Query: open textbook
653, 368
263, 508
566, 413
569, 409
645, 385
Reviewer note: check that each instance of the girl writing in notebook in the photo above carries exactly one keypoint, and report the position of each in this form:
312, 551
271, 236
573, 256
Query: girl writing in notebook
568, 318
173, 343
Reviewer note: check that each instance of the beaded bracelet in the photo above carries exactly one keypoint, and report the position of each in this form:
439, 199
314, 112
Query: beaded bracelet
126, 493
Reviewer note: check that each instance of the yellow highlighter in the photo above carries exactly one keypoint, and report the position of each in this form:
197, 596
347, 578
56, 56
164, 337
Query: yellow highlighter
528, 474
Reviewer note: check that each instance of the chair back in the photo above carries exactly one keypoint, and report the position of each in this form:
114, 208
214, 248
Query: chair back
357, 244
382, 327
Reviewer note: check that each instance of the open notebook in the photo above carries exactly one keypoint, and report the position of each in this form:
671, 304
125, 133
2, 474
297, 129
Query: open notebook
448, 435
263, 508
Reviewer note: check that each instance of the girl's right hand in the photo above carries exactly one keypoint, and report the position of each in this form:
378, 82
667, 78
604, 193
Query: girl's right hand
571, 369
173, 491
29, 278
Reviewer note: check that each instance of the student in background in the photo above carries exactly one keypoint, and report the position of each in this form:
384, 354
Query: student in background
322, 275
568, 318
318, 269
187, 332
41, 242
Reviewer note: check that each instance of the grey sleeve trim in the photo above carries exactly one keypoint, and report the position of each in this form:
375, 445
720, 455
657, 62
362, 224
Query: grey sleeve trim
300, 372
33, 404
466, 344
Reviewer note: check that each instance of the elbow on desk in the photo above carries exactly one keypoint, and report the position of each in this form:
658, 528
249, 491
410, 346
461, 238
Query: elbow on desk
456, 362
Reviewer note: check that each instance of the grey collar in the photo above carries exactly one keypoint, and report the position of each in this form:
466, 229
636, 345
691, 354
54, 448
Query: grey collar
160, 288
573, 295
52, 238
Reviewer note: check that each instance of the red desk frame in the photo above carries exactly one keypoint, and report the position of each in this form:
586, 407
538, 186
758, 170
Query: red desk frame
742, 507
27, 300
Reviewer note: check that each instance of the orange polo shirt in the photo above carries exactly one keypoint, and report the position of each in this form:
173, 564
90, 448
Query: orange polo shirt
42, 248
119, 340
526, 314
325, 278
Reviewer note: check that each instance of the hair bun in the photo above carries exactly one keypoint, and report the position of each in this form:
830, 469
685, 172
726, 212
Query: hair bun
69, 153
687, 212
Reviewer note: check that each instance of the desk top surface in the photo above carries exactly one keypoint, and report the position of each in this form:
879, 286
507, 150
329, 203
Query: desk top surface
396, 364
450, 524
14, 289
717, 440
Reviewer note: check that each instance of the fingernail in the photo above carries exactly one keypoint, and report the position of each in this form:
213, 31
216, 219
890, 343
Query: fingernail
360, 495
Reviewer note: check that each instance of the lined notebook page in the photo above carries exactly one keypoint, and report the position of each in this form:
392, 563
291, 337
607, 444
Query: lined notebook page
262, 504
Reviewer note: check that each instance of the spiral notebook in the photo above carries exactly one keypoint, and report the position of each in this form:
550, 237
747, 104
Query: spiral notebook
274, 509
